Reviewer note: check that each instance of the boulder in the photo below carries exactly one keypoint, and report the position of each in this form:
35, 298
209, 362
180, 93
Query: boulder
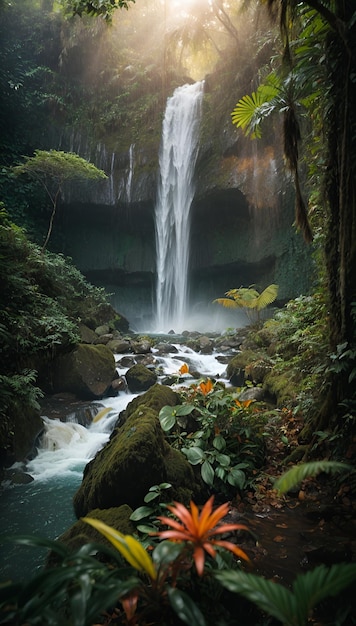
87, 371
140, 378
136, 458
119, 346
81, 533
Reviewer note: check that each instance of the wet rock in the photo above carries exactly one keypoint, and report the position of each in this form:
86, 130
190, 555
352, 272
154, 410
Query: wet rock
165, 348
205, 345
141, 347
140, 378
81, 533
136, 457
252, 393
87, 371
87, 335
102, 330
104, 339
119, 346
126, 361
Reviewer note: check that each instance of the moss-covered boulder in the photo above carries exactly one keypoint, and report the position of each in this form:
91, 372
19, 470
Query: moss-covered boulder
87, 371
136, 457
19, 429
140, 378
81, 533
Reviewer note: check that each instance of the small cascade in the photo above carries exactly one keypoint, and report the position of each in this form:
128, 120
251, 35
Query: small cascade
179, 147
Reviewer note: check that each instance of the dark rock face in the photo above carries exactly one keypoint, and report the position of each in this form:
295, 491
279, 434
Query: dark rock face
87, 371
136, 457
242, 229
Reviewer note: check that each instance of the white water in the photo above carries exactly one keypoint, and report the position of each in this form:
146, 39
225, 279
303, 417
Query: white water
177, 159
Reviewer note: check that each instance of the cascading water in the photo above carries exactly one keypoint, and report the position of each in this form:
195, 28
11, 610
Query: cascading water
177, 159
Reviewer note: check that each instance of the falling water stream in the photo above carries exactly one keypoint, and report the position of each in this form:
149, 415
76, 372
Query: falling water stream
178, 154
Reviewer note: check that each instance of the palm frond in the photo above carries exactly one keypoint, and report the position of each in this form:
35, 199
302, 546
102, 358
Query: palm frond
269, 596
298, 473
228, 303
267, 296
322, 582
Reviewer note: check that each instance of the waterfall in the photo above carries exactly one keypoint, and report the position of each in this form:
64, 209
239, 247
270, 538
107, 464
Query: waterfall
130, 173
178, 152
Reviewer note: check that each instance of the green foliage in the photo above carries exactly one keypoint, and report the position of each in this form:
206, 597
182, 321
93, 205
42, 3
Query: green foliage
52, 169
55, 167
217, 432
249, 299
42, 300
294, 476
291, 607
77, 591
96, 8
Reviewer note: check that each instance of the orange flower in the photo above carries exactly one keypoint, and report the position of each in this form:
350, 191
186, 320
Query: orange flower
243, 404
200, 530
184, 369
206, 387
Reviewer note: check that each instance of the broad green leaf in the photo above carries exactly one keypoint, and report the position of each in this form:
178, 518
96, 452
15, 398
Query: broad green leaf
194, 455
269, 596
236, 478
219, 442
166, 552
298, 473
184, 409
223, 459
140, 513
151, 496
167, 417
220, 472
185, 608
207, 473
130, 548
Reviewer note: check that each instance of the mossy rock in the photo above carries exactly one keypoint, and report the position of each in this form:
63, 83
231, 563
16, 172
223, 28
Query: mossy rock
283, 387
81, 533
18, 432
236, 369
136, 458
87, 371
140, 378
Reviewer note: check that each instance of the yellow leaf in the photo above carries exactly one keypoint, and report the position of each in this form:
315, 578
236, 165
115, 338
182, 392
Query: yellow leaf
184, 369
102, 413
131, 549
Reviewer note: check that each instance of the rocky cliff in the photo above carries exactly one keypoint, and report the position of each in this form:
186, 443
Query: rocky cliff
241, 218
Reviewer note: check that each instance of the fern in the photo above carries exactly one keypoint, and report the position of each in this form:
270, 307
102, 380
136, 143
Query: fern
298, 473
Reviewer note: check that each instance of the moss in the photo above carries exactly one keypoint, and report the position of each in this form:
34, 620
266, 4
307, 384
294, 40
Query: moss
180, 474
284, 387
133, 460
81, 533
136, 457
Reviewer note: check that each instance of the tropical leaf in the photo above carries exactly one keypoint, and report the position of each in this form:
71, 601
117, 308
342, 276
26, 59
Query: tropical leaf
185, 608
250, 111
267, 297
269, 596
207, 473
243, 114
131, 549
298, 473
227, 302
322, 582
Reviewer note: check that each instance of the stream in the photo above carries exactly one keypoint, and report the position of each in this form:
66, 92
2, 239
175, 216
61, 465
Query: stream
43, 506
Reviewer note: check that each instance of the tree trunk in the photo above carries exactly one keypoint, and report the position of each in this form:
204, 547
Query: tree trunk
340, 187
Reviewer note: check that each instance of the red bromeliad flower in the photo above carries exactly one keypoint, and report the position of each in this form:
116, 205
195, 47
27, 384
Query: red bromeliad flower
200, 530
